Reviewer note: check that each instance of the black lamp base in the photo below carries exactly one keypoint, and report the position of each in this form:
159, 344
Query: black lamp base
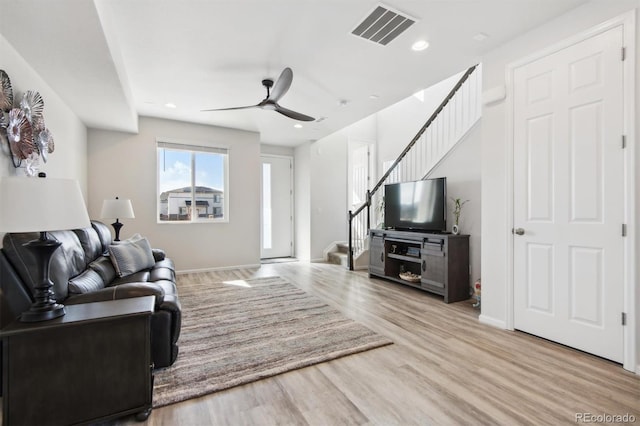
116, 226
55, 310
44, 306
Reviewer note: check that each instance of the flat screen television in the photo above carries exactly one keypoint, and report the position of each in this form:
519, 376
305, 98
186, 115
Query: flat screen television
416, 206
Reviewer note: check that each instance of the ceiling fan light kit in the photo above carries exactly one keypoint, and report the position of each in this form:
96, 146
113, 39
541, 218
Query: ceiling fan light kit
270, 102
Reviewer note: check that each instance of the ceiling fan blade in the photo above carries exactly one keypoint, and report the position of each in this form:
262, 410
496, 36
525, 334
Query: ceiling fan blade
230, 109
282, 85
293, 114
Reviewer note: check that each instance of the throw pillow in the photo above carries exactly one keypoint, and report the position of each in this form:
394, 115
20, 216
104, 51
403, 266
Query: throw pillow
86, 282
131, 239
130, 257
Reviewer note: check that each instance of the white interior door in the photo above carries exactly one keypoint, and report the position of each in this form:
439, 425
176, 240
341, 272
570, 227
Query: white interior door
569, 196
277, 207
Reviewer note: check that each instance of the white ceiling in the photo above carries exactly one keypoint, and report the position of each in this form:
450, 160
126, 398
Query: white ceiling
112, 60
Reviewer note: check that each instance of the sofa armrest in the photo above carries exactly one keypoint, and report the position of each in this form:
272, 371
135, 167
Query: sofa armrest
122, 291
158, 254
170, 303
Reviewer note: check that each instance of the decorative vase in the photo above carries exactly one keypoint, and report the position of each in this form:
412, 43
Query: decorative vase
455, 230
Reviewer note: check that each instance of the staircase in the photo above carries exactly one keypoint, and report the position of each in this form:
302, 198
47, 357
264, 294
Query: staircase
339, 254
450, 122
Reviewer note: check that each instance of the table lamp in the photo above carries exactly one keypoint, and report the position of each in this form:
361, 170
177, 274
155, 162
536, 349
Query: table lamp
41, 204
116, 209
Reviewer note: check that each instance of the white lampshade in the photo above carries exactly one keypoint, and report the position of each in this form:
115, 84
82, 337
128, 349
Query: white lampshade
117, 209
30, 204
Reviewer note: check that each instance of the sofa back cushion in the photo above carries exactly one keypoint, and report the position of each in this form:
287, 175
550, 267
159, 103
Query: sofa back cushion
86, 282
104, 233
66, 262
90, 242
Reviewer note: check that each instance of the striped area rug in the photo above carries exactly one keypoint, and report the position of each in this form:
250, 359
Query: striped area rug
236, 332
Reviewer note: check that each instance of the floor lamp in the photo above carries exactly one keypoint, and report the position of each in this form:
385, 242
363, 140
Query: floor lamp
117, 209
40, 204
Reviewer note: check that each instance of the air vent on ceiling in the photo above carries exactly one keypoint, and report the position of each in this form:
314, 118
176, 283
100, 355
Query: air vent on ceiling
383, 25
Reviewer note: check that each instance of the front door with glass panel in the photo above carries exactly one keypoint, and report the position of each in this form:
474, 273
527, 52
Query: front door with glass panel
277, 207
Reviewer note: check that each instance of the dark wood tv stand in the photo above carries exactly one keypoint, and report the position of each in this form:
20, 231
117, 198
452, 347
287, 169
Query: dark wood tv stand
440, 260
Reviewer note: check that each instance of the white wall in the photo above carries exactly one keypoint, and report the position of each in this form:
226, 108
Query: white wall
462, 169
328, 192
69, 160
124, 165
276, 150
494, 147
399, 123
302, 197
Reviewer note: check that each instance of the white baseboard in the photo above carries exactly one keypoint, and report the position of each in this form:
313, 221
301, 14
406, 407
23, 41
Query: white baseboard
219, 268
493, 322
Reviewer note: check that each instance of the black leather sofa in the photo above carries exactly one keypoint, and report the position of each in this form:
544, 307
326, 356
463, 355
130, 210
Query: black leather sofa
83, 259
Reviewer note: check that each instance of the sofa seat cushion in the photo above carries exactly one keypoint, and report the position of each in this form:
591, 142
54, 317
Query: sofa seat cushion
156, 274
86, 282
138, 277
131, 256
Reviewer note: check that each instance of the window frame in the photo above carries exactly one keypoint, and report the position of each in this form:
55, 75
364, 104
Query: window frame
194, 148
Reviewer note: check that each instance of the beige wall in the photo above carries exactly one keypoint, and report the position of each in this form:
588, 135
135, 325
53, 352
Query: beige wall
70, 157
124, 165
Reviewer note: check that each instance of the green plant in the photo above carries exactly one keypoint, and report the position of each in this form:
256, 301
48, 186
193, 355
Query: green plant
457, 207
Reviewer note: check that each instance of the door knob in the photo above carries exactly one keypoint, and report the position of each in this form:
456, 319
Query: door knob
519, 231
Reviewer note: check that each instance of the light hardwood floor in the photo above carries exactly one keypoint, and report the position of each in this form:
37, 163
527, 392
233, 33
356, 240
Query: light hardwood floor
444, 368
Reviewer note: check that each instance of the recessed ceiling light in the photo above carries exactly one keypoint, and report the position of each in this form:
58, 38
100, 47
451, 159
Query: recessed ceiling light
420, 45
373, 96
170, 105
298, 126
480, 37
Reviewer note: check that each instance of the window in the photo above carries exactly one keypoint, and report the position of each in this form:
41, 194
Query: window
192, 183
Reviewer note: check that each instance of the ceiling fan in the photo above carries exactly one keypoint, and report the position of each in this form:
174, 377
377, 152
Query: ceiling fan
273, 96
